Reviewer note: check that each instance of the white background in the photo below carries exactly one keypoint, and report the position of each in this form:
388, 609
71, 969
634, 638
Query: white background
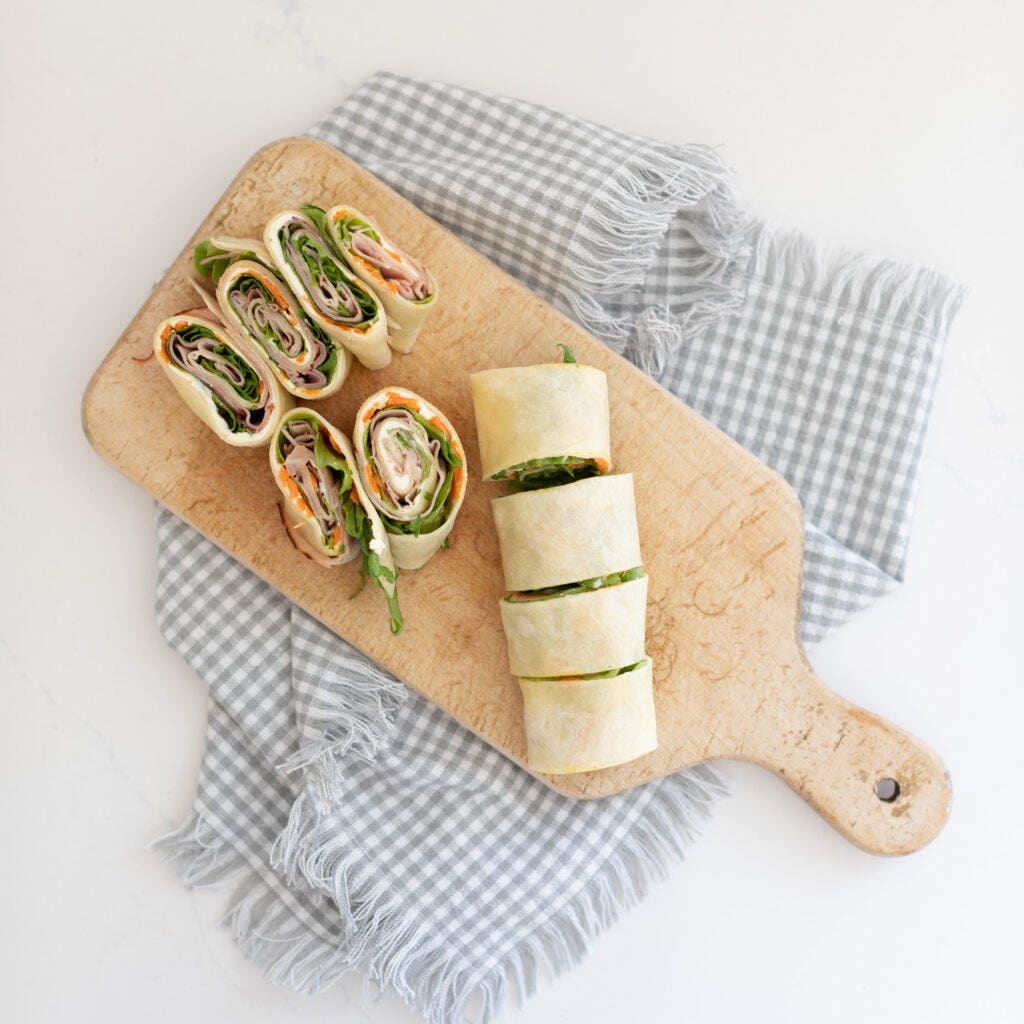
894, 127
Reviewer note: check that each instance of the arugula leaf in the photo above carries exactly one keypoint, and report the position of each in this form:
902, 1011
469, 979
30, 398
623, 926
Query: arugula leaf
567, 356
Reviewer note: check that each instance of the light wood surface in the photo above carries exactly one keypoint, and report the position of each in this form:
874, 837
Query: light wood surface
721, 533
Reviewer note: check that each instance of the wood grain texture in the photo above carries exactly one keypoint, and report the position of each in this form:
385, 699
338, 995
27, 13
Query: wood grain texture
722, 534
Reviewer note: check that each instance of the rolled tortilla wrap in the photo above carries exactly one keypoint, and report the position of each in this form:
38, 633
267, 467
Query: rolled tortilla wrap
413, 467
322, 281
327, 513
255, 303
592, 627
562, 535
404, 286
539, 425
581, 724
225, 381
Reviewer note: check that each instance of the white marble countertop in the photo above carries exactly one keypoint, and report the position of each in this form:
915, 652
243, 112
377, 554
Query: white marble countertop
890, 127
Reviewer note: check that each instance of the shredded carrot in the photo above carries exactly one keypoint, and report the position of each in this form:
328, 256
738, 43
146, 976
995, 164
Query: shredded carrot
374, 480
459, 478
371, 269
275, 292
336, 536
392, 398
602, 465
293, 492
355, 497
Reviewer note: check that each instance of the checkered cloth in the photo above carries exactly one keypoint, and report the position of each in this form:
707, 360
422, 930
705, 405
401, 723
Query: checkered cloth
367, 830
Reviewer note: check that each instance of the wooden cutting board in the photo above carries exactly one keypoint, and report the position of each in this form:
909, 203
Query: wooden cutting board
721, 534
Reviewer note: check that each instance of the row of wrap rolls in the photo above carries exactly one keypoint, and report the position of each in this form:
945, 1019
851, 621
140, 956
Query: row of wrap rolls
575, 612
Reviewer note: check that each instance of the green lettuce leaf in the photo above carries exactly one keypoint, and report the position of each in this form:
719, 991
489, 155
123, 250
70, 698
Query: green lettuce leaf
582, 587
610, 674
210, 261
567, 356
548, 472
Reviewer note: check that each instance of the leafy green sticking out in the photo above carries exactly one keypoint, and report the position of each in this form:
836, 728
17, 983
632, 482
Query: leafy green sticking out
582, 587
319, 218
610, 674
548, 472
435, 516
447, 544
358, 524
247, 391
350, 224
211, 261
567, 356
437, 434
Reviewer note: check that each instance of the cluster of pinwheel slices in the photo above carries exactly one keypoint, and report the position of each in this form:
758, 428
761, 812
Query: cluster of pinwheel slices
570, 550
288, 315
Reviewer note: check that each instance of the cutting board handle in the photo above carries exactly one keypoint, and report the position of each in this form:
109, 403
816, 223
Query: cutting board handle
879, 786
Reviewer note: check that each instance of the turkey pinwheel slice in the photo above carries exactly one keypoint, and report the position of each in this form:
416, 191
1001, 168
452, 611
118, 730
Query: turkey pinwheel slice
222, 379
257, 304
539, 426
327, 513
404, 286
414, 468
345, 309
581, 723
561, 535
591, 626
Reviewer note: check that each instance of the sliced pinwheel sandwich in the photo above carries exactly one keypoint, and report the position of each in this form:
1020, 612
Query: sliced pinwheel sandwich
543, 425
561, 535
404, 286
332, 297
257, 304
581, 723
326, 511
591, 626
414, 469
223, 379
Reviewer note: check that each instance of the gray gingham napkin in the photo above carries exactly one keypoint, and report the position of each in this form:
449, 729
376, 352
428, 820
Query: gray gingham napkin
364, 829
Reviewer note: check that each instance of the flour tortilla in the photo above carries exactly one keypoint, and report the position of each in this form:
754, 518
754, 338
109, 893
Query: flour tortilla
561, 535
539, 412
580, 725
579, 633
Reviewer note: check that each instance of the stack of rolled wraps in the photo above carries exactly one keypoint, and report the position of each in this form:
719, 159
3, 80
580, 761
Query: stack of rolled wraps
282, 319
575, 613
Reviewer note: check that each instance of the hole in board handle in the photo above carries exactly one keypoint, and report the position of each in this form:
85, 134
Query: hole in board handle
887, 790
